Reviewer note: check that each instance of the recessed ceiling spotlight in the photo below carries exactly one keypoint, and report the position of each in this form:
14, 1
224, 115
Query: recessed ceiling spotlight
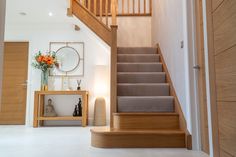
50, 14
22, 13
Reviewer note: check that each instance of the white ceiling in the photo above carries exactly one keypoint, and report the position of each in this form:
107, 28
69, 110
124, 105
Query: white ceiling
37, 11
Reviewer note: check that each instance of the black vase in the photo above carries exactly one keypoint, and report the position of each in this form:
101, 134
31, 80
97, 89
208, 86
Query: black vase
80, 107
75, 111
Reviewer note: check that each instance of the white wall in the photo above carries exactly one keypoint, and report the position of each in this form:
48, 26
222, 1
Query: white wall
39, 35
172, 23
168, 31
134, 31
2, 25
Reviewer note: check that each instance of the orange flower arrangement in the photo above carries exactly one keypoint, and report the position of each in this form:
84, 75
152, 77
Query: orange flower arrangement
45, 61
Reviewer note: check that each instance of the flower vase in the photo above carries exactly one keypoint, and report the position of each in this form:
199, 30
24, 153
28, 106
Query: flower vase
44, 80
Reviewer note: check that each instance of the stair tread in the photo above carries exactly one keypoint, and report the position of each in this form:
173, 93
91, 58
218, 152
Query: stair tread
142, 54
137, 50
107, 130
149, 84
144, 63
146, 114
119, 73
135, 97
121, 47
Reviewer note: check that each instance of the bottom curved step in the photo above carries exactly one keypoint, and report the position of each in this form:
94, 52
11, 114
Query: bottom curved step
107, 138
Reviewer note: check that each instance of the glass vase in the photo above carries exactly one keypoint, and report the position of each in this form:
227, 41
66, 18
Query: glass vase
44, 80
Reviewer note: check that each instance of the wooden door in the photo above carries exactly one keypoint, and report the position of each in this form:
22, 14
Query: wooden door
202, 78
221, 26
14, 87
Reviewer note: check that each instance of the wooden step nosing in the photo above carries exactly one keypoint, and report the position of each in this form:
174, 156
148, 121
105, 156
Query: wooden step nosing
138, 63
138, 54
141, 73
146, 114
143, 84
139, 132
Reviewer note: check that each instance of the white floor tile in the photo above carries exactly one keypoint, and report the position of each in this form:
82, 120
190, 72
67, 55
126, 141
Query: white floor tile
21, 141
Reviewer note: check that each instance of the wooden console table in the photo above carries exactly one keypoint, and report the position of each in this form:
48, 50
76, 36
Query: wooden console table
39, 107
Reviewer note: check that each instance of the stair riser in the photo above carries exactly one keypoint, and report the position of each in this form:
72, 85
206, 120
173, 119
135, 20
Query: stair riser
139, 67
143, 90
143, 58
126, 105
138, 140
137, 50
141, 78
146, 122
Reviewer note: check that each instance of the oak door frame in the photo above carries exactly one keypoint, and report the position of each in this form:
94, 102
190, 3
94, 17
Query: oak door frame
202, 95
211, 80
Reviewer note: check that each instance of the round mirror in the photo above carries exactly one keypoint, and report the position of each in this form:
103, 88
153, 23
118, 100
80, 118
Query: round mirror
68, 59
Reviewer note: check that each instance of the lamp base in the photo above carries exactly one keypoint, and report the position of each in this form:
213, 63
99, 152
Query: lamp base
100, 112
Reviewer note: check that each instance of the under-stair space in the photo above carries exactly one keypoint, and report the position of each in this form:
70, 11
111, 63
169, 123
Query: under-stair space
146, 114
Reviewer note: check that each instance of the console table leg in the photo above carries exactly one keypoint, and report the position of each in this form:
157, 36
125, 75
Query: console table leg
41, 109
36, 101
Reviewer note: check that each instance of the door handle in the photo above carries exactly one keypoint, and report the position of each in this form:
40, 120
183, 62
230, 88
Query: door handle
197, 67
25, 84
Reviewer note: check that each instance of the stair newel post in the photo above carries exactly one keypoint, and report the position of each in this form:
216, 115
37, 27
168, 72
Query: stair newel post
113, 96
113, 101
69, 10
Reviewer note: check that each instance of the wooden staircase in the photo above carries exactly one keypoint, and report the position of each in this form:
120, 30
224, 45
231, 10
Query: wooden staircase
145, 111
148, 113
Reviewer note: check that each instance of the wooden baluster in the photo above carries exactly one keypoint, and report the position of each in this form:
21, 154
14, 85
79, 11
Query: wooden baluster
113, 11
95, 7
117, 7
133, 6
123, 7
144, 5
139, 10
69, 10
150, 7
89, 5
107, 12
128, 6
101, 9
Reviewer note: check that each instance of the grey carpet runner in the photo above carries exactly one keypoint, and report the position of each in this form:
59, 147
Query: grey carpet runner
141, 82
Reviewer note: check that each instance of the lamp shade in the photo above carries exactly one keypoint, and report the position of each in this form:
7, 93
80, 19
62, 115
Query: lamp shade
101, 81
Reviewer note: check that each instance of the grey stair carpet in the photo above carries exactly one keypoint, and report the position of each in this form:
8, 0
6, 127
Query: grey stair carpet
143, 89
141, 81
138, 58
146, 104
139, 67
137, 50
141, 77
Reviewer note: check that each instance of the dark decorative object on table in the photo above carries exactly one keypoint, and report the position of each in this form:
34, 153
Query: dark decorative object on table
75, 111
78, 82
78, 109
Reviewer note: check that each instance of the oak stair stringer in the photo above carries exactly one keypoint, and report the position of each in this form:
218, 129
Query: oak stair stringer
90, 20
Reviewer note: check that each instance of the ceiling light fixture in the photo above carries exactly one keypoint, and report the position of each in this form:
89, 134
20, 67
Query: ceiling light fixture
50, 14
22, 13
